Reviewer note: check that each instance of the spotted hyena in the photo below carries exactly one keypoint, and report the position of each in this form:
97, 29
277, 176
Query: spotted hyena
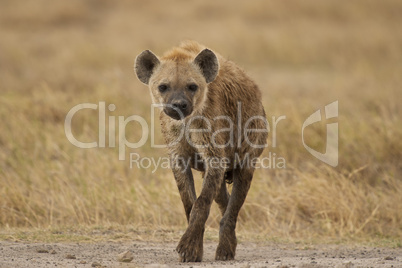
212, 121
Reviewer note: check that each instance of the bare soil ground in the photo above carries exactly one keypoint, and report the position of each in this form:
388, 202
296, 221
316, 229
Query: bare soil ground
153, 254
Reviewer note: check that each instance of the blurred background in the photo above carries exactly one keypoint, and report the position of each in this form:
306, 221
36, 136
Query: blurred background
303, 55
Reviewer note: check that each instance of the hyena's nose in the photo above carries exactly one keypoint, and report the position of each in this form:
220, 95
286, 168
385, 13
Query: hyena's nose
180, 105
178, 109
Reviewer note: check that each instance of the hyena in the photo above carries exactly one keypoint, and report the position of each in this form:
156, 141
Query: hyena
213, 121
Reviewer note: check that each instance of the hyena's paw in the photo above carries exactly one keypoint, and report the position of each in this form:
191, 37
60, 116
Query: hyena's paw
227, 248
190, 248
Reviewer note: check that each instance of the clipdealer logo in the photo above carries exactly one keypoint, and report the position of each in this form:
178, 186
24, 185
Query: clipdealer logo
330, 156
330, 111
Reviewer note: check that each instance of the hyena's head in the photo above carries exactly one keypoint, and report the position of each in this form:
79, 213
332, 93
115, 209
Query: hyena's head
179, 83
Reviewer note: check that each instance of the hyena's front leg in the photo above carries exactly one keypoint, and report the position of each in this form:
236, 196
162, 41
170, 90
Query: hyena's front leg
185, 184
190, 247
227, 237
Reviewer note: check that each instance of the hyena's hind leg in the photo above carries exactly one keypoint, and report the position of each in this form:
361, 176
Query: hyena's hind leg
227, 237
222, 196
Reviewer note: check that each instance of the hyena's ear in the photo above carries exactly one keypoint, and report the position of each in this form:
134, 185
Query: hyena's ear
145, 64
208, 63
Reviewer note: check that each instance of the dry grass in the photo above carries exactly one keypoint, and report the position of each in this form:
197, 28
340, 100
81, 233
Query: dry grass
303, 56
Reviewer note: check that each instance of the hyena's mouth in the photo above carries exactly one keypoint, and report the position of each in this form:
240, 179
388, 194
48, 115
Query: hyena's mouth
177, 114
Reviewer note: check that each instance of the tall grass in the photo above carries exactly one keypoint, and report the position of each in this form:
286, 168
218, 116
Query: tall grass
303, 56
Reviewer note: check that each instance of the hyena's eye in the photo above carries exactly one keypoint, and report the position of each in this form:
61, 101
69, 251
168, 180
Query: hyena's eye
192, 87
162, 88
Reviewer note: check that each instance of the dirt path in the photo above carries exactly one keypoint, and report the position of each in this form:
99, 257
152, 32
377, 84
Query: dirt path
162, 255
